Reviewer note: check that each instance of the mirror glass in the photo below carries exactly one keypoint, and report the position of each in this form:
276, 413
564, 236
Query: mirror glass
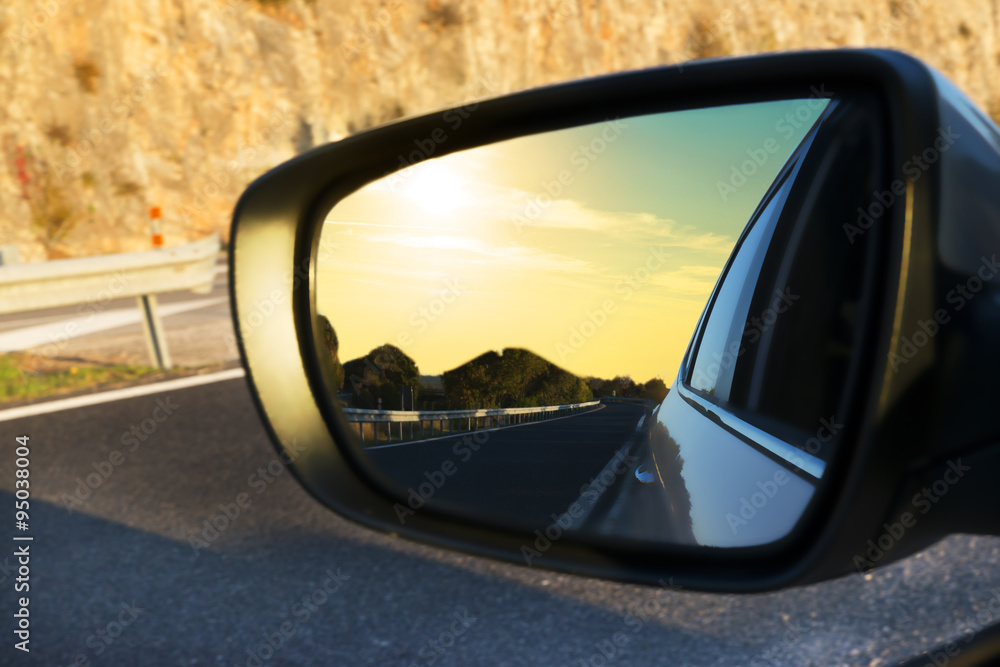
505, 325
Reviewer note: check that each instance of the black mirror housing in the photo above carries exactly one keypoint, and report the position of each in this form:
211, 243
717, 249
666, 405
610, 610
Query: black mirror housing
922, 433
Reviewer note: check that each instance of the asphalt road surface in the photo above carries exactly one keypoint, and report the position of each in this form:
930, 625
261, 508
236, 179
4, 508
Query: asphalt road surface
116, 579
528, 473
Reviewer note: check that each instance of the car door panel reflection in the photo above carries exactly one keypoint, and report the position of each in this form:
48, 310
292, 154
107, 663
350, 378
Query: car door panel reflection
738, 496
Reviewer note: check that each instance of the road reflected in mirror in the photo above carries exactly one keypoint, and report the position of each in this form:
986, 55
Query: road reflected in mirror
504, 327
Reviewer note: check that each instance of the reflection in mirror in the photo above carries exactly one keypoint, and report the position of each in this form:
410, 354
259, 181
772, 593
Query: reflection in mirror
505, 325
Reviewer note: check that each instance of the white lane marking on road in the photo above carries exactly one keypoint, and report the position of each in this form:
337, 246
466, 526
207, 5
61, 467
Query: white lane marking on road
618, 507
591, 496
118, 394
57, 332
638, 427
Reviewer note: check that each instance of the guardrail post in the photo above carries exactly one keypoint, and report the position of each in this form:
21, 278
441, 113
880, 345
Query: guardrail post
152, 327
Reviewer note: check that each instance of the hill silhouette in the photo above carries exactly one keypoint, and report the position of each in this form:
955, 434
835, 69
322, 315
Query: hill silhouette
624, 386
381, 373
513, 378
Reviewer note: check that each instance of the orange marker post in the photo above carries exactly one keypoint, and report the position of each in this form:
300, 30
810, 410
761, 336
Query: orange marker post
155, 214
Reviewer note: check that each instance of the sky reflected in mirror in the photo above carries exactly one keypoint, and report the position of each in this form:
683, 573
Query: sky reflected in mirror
595, 247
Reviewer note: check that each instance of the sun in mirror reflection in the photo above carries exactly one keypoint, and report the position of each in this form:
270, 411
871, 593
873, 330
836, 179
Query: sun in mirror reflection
594, 247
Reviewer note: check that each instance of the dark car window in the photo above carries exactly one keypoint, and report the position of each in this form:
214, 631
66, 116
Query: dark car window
750, 357
724, 338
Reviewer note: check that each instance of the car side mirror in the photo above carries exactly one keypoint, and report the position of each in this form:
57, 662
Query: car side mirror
725, 325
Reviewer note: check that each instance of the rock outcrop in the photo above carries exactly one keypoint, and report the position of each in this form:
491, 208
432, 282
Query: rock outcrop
114, 106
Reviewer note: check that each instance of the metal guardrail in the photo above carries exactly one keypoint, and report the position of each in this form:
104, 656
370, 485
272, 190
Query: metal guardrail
488, 417
97, 280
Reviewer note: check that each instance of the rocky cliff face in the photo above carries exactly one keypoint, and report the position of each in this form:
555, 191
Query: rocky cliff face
114, 106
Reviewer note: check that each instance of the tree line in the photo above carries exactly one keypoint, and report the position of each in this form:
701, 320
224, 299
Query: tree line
625, 387
511, 378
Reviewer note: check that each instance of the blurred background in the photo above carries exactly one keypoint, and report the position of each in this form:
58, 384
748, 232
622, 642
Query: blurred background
113, 107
